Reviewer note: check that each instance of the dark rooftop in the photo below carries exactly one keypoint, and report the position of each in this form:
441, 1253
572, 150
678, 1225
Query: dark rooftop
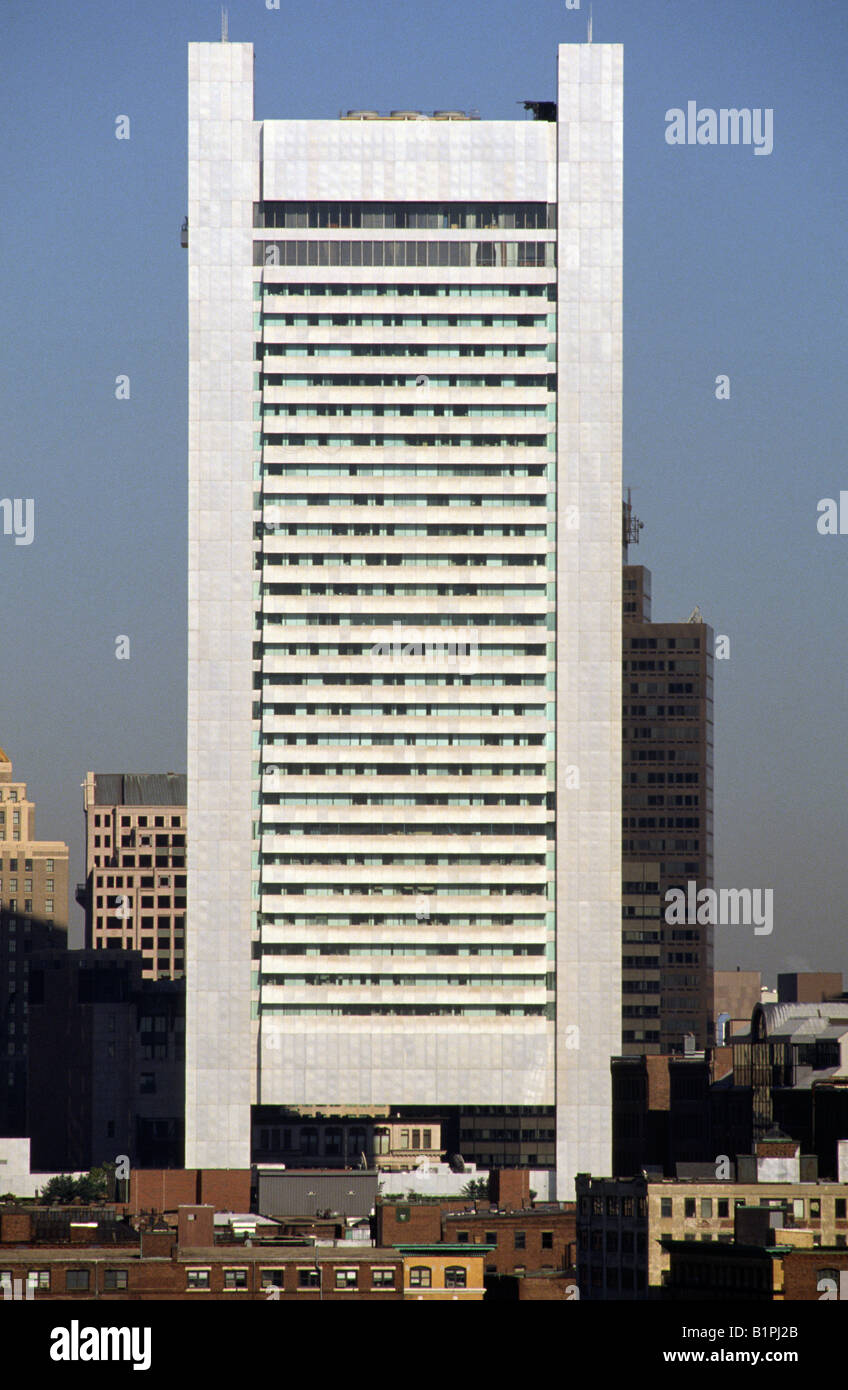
140, 788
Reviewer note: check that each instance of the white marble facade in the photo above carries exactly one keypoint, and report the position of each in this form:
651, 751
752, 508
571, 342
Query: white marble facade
589, 371
223, 179
231, 1059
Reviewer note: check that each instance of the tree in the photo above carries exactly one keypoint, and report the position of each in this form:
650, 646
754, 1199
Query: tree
95, 1186
61, 1189
99, 1185
476, 1188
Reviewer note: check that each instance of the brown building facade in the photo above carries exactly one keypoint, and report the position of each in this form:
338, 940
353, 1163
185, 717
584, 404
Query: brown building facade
186, 1263
667, 824
537, 1239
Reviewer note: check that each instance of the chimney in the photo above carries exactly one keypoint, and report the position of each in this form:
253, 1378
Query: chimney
195, 1227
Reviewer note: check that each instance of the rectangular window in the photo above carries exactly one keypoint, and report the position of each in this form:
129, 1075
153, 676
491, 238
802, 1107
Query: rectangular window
115, 1278
197, 1278
235, 1278
689, 1206
39, 1278
520, 1240
308, 1279
346, 1278
77, 1280
383, 1278
706, 1207
272, 1278
547, 1240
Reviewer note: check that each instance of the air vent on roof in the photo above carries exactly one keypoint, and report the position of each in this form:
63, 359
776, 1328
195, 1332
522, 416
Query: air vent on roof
407, 115
363, 116
450, 116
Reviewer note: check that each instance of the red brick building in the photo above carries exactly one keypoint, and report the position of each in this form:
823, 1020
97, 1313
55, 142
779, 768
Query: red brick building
165, 1189
541, 1237
186, 1262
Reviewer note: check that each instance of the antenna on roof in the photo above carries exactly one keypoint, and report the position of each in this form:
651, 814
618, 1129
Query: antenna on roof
225, 25
590, 24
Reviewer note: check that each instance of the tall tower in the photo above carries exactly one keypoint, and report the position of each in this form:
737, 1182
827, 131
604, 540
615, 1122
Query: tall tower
404, 764
667, 824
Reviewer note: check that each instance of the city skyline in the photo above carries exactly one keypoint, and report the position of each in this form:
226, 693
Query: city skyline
729, 490
424, 495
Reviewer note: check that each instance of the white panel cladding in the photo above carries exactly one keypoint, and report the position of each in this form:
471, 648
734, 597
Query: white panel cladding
419, 1058
588, 975
410, 161
475, 1065
223, 183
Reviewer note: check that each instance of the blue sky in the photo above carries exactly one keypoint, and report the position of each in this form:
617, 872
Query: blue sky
734, 263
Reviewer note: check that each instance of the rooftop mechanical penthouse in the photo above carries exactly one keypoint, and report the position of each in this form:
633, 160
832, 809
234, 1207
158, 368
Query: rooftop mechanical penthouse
404, 760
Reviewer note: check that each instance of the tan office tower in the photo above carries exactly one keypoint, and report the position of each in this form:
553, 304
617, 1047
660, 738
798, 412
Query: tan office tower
404, 756
134, 895
33, 914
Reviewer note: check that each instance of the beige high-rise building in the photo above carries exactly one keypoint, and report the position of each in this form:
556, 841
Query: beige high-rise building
33, 914
134, 895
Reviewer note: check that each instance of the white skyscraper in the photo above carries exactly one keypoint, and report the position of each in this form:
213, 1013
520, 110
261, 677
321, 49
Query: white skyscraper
404, 762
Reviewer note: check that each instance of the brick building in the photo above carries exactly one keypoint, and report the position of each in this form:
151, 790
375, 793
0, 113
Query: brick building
165, 1189
534, 1238
660, 1112
771, 1258
186, 1263
624, 1224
